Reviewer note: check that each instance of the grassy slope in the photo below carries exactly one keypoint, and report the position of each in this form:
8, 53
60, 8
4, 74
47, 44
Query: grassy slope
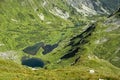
16, 20
104, 70
105, 41
18, 17
23, 19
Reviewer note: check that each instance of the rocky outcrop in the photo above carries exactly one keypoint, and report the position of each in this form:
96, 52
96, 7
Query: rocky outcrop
77, 41
114, 13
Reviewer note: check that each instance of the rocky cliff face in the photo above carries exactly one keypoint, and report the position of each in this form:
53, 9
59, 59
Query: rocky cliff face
94, 6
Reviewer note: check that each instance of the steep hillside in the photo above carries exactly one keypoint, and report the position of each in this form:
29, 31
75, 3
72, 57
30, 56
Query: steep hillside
94, 7
59, 40
18, 72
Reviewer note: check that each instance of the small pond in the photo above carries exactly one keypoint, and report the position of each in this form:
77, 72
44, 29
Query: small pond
33, 62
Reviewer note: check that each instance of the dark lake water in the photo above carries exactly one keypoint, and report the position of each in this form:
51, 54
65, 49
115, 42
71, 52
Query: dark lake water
32, 50
33, 62
48, 48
